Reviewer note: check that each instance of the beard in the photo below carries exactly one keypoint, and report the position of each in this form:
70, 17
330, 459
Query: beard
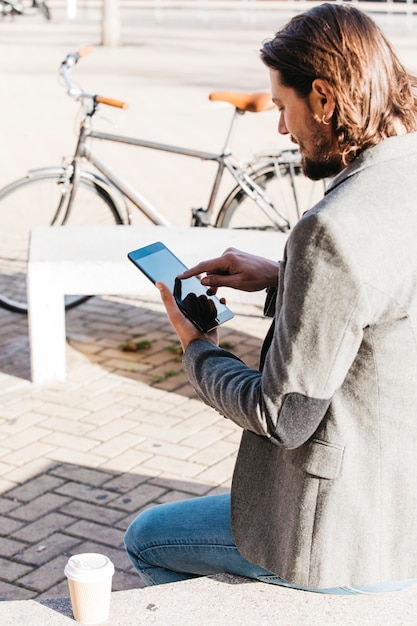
325, 167
323, 161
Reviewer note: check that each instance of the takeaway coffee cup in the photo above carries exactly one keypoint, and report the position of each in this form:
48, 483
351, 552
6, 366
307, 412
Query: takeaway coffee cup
89, 580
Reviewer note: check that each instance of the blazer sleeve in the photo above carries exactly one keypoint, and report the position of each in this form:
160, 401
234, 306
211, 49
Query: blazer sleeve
321, 311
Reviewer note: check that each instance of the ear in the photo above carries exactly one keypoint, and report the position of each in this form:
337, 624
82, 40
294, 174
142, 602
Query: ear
321, 100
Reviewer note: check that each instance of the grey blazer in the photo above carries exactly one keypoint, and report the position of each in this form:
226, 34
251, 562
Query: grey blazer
325, 486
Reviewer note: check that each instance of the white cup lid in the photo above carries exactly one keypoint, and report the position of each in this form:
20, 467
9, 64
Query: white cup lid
89, 567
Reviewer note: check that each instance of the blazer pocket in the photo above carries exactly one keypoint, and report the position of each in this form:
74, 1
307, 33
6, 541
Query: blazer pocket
321, 459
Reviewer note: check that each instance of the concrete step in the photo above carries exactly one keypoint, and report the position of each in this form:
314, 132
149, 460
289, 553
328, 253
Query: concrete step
222, 600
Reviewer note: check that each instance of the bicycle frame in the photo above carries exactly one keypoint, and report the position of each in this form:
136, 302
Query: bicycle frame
201, 216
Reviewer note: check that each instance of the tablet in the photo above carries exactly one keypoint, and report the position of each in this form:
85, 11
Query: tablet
195, 300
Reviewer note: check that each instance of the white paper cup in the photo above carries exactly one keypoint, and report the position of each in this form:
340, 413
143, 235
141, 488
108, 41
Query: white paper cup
89, 580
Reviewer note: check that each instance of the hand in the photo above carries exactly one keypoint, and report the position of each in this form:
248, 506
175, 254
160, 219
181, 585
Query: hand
200, 309
236, 269
185, 329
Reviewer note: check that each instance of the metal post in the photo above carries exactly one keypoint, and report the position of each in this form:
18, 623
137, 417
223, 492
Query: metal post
111, 25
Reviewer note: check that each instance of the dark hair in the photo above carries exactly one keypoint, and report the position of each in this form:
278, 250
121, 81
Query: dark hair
375, 95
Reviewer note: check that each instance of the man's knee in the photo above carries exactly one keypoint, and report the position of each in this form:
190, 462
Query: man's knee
140, 532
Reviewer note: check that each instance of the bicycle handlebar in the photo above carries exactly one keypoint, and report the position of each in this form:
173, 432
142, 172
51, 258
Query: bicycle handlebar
68, 64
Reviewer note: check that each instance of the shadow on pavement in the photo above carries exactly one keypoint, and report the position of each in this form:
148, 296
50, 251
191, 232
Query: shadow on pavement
69, 509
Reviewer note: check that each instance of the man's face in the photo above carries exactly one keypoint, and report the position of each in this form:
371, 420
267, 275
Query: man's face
300, 117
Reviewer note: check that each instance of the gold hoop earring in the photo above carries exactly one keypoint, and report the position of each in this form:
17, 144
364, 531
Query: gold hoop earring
323, 119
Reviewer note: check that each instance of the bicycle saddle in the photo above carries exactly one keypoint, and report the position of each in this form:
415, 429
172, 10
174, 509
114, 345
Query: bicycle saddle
255, 102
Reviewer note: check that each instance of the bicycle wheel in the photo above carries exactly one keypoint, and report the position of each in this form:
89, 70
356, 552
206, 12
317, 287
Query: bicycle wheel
33, 201
278, 183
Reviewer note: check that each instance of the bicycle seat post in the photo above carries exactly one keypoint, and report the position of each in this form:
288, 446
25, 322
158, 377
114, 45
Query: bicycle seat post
227, 147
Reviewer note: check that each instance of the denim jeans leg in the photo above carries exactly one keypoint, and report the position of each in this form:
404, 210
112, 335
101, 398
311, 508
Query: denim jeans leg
180, 540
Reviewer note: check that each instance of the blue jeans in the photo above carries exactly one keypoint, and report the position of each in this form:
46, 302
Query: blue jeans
181, 540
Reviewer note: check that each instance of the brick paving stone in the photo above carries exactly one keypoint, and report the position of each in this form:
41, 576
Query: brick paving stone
101, 400
64, 440
138, 497
126, 461
127, 580
81, 474
56, 591
47, 575
8, 525
35, 487
213, 454
10, 571
198, 421
17, 411
5, 468
38, 507
123, 483
11, 425
93, 512
26, 437
43, 527
15, 592
189, 486
26, 471
176, 467
61, 410
7, 505
28, 453
174, 496
158, 418
10, 547
107, 414
42, 552
110, 431
174, 451
118, 444
207, 436
218, 473
71, 427
161, 433
66, 455
86, 493
87, 529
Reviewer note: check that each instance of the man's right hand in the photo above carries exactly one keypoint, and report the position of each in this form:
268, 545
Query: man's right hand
236, 269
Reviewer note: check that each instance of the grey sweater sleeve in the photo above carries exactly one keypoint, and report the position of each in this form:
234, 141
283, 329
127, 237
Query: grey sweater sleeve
319, 323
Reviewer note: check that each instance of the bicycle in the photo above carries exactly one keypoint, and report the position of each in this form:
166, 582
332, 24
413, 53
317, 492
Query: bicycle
15, 7
69, 193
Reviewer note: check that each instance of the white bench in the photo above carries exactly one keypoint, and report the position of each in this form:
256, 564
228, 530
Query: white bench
93, 261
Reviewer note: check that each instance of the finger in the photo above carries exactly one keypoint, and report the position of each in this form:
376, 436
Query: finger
219, 265
214, 281
193, 271
168, 300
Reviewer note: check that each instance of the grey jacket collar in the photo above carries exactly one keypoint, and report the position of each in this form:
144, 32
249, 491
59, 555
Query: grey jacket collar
387, 150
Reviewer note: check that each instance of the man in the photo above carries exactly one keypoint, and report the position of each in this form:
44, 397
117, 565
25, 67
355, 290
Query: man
324, 490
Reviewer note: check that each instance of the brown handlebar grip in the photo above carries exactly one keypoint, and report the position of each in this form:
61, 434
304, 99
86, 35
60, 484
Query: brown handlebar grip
86, 50
111, 102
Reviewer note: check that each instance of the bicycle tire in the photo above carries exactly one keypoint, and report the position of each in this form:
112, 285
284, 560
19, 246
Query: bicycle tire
32, 201
240, 211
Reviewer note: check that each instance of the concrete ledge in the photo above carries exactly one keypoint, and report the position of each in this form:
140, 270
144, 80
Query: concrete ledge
93, 260
227, 600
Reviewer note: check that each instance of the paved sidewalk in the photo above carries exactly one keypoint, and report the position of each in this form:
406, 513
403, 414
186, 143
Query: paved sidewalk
79, 460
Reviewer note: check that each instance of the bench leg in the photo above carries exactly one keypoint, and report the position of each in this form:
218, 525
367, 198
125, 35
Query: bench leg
46, 320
